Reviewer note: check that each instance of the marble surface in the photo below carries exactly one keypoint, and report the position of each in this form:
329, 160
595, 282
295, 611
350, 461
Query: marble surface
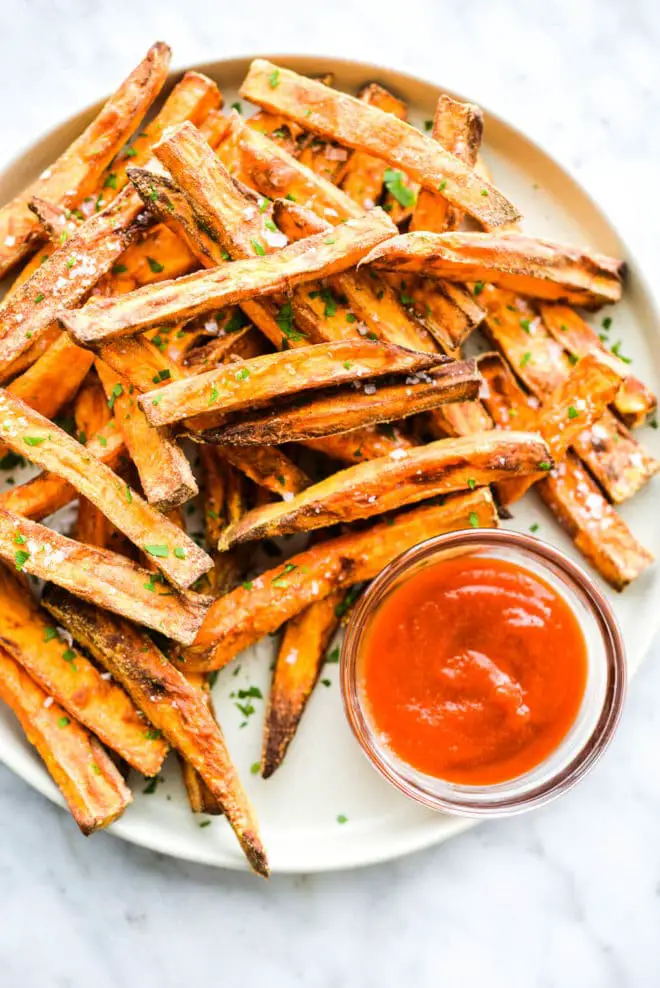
568, 896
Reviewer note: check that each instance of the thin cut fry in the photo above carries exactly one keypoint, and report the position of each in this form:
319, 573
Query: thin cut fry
246, 383
87, 777
366, 128
634, 402
165, 473
72, 680
67, 276
78, 169
403, 478
541, 268
172, 705
598, 532
297, 668
194, 294
242, 617
101, 577
344, 409
30, 434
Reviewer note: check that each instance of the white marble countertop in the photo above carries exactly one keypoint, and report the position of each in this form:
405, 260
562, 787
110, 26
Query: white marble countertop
568, 896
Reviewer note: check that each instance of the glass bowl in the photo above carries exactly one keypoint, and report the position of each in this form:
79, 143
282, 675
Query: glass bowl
597, 717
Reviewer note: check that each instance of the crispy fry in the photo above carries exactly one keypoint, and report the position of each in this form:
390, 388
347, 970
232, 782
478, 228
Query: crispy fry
155, 305
618, 462
345, 119
32, 354
78, 169
101, 577
247, 382
165, 474
28, 433
68, 274
574, 406
244, 616
245, 343
634, 402
200, 797
541, 268
73, 681
458, 128
47, 493
159, 255
364, 174
224, 502
298, 666
598, 532
370, 488
342, 409
87, 777
173, 706
360, 444
140, 362
268, 467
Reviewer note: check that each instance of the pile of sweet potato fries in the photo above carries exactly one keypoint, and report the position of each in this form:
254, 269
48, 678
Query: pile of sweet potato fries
289, 294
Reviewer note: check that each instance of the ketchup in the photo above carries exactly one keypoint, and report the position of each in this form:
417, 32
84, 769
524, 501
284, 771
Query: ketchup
473, 670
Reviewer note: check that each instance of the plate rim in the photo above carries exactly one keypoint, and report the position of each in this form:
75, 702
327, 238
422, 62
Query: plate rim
424, 837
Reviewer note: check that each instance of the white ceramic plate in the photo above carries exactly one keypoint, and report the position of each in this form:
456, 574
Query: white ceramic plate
324, 774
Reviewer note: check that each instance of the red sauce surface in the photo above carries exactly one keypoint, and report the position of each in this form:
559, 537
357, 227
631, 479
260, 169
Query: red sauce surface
473, 670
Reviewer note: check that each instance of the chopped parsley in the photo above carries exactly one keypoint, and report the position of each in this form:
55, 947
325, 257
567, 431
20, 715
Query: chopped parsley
572, 412
180, 553
473, 518
397, 188
40, 297
152, 734
110, 181
237, 106
525, 325
526, 357
254, 768
471, 482
333, 656
545, 465
129, 496
443, 185
247, 584
162, 375
155, 265
157, 550
478, 287
21, 556
616, 350
342, 819
117, 392
607, 322
49, 634
242, 374
34, 440
274, 79
534, 528
428, 125
258, 249
63, 722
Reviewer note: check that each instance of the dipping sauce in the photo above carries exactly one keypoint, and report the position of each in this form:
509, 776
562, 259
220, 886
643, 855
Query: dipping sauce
473, 670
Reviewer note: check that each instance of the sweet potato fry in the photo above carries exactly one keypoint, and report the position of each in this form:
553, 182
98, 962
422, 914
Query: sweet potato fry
87, 777
268, 467
597, 531
224, 502
360, 444
165, 474
174, 707
457, 127
364, 175
200, 797
357, 125
47, 493
618, 462
245, 344
245, 615
159, 255
74, 682
140, 362
67, 276
634, 402
297, 668
78, 169
575, 405
155, 305
342, 409
245, 383
29, 433
370, 488
101, 577
540, 268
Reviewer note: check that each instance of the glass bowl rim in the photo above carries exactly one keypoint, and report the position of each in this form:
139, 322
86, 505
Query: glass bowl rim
588, 753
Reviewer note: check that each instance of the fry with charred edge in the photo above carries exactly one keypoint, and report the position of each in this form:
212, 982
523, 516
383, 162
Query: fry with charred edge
224, 502
242, 617
618, 462
597, 531
297, 668
360, 444
540, 268
172, 705
171, 302
245, 343
575, 405
344, 409
47, 493
68, 274
366, 128
91, 784
101, 577
165, 473
269, 468
366, 489
200, 797
45, 444
245, 383
458, 128
73, 681
634, 402
78, 169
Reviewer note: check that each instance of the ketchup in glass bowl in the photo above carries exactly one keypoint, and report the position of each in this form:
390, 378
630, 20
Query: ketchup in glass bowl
483, 672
